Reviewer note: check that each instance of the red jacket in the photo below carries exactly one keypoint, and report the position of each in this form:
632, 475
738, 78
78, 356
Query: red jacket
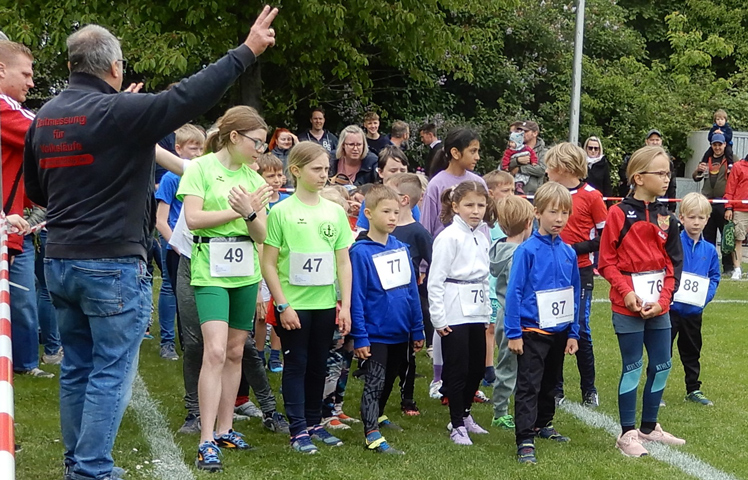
640, 237
507, 159
737, 186
14, 122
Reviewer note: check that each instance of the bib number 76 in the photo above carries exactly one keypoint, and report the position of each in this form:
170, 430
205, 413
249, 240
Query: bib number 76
654, 284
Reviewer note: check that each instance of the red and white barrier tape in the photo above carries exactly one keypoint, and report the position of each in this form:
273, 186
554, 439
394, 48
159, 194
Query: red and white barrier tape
7, 431
36, 228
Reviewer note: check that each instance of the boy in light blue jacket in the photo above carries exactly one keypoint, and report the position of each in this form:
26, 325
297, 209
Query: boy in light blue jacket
385, 311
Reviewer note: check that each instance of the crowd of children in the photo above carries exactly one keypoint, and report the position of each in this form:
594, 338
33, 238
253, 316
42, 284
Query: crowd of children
337, 273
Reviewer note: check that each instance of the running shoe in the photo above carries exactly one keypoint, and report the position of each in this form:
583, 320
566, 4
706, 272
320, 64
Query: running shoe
334, 423
385, 422
526, 453
37, 372
434, 388
375, 442
209, 457
660, 436
506, 422
275, 365
319, 433
232, 440
591, 400
302, 443
409, 408
276, 422
550, 433
480, 397
472, 426
191, 424
248, 409
460, 436
697, 396
169, 352
630, 445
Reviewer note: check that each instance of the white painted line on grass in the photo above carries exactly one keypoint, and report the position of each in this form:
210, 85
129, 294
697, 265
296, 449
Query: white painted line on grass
685, 462
721, 300
170, 465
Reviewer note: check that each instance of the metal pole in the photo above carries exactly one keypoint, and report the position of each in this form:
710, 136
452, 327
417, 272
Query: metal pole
2, 37
576, 83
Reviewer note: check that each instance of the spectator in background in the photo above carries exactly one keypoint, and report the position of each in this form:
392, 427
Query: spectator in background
399, 134
279, 145
353, 164
535, 171
720, 126
429, 138
318, 134
598, 167
653, 139
375, 141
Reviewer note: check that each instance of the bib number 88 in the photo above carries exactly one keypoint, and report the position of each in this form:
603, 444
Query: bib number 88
690, 286
234, 255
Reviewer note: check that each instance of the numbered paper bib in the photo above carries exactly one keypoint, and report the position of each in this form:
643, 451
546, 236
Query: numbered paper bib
555, 307
393, 268
473, 299
231, 259
648, 285
311, 269
692, 290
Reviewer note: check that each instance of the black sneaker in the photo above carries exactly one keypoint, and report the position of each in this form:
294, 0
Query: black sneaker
550, 433
191, 424
590, 400
526, 453
209, 457
276, 423
233, 440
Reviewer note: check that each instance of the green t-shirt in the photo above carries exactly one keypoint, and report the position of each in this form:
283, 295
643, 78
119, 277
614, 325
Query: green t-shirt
208, 179
307, 238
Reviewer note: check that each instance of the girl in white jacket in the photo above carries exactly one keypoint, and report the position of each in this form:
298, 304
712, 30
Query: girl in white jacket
458, 299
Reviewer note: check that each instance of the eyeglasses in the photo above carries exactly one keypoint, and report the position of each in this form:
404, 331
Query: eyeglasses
260, 146
354, 145
661, 174
124, 64
593, 149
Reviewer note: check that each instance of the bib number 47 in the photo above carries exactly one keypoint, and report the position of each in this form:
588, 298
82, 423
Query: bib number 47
312, 265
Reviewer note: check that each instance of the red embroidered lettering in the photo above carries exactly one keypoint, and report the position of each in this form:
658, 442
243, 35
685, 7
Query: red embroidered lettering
71, 161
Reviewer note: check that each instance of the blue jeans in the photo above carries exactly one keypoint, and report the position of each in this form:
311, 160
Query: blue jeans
167, 302
50, 334
102, 307
24, 325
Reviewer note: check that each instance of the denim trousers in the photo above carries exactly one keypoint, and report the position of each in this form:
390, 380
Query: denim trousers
103, 308
23, 313
167, 302
50, 334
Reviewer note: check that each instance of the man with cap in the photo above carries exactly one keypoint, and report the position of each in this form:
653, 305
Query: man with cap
714, 171
535, 172
653, 139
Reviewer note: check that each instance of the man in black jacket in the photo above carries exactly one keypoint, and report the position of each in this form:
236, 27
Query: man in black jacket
89, 158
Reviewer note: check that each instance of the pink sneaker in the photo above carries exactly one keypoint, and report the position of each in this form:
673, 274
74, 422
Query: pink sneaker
473, 427
629, 444
460, 436
661, 436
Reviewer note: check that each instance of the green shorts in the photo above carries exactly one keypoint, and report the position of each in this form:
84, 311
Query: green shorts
235, 306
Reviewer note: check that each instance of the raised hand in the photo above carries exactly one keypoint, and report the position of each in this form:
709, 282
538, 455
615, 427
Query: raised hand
261, 35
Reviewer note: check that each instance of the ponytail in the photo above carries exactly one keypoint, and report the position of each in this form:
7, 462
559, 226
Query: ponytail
456, 193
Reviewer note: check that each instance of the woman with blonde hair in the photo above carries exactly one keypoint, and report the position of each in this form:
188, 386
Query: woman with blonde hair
353, 164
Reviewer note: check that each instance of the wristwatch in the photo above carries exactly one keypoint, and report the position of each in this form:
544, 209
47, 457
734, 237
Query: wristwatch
251, 217
282, 307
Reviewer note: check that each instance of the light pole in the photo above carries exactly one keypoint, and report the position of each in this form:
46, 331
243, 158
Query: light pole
576, 83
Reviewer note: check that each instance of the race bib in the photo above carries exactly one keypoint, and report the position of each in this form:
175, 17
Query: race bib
473, 299
231, 259
393, 268
692, 290
311, 269
555, 307
648, 285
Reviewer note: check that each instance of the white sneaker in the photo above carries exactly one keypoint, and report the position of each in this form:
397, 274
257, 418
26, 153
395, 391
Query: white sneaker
434, 390
736, 274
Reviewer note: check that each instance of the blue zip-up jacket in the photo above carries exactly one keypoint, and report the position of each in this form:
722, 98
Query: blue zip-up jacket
699, 258
379, 315
540, 263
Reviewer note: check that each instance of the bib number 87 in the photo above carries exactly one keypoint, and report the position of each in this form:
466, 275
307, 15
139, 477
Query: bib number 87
654, 284
234, 255
690, 286
557, 308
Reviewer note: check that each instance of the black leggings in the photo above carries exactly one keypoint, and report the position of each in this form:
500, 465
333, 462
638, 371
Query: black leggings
305, 352
382, 368
464, 353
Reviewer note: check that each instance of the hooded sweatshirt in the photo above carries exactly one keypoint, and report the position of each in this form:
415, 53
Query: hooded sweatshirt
500, 257
380, 315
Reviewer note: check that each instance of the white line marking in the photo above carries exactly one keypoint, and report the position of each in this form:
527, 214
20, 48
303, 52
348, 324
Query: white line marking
685, 462
605, 300
160, 440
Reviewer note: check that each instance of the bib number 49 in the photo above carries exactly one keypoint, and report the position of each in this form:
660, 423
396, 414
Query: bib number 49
234, 255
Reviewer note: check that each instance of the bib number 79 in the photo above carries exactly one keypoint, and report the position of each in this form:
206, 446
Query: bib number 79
478, 296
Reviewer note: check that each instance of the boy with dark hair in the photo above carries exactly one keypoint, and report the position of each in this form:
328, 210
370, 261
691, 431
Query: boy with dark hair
385, 310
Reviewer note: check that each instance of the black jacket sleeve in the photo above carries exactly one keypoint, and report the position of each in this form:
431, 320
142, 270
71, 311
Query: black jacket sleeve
30, 170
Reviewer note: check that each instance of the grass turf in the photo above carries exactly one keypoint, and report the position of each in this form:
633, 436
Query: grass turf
714, 434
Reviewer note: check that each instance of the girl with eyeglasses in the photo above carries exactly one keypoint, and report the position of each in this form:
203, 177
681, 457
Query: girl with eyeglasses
224, 204
353, 164
598, 167
642, 257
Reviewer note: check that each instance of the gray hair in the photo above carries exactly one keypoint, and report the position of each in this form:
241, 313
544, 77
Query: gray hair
92, 49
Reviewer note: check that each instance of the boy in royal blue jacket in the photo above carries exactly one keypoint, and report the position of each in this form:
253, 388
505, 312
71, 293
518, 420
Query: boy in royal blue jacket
540, 318
698, 285
385, 310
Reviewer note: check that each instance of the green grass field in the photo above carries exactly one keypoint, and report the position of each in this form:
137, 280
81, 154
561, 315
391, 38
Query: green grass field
715, 435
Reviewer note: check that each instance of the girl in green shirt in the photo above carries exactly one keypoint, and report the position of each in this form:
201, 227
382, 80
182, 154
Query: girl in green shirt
224, 204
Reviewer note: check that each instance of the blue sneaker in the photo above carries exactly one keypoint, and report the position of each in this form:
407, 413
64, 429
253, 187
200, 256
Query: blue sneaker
302, 443
275, 365
385, 422
375, 442
209, 457
526, 453
233, 440
550, 433
318, 432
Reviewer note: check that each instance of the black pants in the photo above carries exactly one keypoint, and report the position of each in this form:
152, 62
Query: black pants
305, 352
585, 355
464, 353
382, 368
537, 373
688, 331
172, 265
428, 328
408, 375
716, 223
254, 376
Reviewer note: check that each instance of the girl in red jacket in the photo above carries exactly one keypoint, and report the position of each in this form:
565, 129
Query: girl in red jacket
642, 257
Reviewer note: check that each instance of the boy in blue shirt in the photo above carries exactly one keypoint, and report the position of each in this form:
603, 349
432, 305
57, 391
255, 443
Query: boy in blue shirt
698, 285
540, 318
385, 310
